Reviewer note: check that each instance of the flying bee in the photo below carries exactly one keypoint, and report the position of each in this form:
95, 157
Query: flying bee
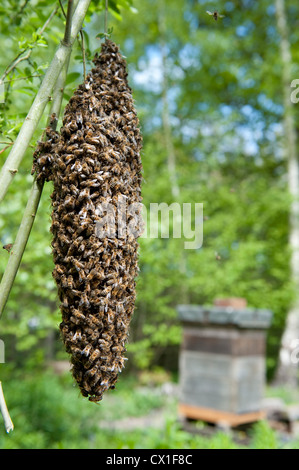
215, 14
8, 247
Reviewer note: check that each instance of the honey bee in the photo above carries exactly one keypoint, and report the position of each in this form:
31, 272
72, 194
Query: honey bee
69, 203
76, 166
92, 275
8, 247
61, 165
95, 399
84, 300
77, 317
215, 15
91, 372
104, 345
65, 302
59, 269
78, 152
77, 336
86, 350
85, 194
71, 126
79, 118
94, 322
78, 265
70, 282
94, 356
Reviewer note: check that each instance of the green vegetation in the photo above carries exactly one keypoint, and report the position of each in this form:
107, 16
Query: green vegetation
209, 97
48, 412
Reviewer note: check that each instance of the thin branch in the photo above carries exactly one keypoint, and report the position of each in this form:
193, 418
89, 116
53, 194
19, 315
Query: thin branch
19, 13
15, 63
20, 244
31, 122
23, 78
68, 25
5, 148
4, 411
62, 9
83, 53
82, 43
106, 17
32, 206
48, 20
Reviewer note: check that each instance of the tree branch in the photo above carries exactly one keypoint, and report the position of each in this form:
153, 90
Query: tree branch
69, 15
4, 411
31, 122
32, 204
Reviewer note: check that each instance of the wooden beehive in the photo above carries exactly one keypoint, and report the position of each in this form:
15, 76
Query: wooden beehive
222, 363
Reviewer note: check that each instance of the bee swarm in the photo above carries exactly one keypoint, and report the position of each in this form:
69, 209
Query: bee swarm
94, 160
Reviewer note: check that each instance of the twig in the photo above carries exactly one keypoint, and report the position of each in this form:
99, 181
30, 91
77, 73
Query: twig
5, 148
68, 25
62, 9
32, 204
20, 244
83, 54
15, 62
23, 78
82, 43
106, 17
31, 122
4, 411
31, 209
48, 20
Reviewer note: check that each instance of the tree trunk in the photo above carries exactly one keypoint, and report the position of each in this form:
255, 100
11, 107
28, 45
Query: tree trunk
287, 372
171, 160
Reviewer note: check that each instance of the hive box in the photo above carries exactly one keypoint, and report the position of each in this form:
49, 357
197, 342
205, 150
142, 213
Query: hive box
222, 363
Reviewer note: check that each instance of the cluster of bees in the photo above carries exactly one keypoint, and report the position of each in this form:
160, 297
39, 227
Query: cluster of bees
94, 159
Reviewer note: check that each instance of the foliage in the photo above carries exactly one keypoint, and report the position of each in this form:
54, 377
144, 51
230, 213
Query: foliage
48, 413
223, 89
225, 113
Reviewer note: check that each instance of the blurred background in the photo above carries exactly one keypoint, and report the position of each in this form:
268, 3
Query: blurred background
212, 105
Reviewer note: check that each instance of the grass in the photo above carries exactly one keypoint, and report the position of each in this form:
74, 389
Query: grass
48, 413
